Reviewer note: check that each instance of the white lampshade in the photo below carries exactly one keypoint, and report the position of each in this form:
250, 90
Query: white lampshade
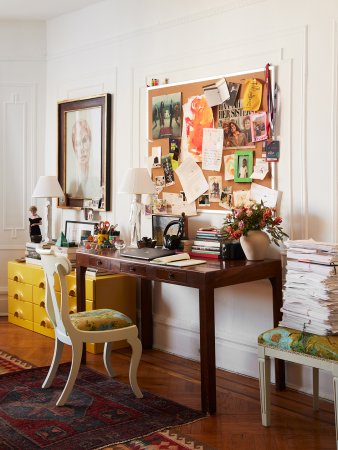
48, 186
137, 181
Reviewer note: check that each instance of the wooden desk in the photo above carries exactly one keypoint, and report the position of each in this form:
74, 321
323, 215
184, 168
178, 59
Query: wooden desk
205, 278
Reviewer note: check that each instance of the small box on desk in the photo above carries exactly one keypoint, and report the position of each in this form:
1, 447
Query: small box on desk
232, 250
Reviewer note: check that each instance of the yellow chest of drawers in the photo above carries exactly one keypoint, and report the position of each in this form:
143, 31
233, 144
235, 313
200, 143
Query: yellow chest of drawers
26, 297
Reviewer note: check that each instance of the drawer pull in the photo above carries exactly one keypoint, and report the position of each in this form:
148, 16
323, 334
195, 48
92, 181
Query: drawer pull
132, 269
42, 304
42, 285
99, 262
171, 276
18, 314
72, 311
18, 278
72, 293
45, 323
18, 296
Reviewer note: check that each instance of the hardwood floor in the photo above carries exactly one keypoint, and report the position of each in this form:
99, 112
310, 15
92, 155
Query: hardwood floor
237, 424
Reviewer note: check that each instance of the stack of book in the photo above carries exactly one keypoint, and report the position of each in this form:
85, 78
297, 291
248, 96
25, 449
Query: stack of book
310, 295
31, 255
206, 243
70, 252
97, 272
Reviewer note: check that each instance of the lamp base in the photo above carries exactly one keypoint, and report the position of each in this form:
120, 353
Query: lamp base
135, 220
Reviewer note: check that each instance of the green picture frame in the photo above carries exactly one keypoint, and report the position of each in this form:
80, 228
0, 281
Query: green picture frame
243, 166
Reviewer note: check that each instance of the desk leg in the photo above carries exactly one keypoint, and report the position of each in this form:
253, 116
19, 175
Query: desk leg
277, 298
81, 298
207, 350
146, 313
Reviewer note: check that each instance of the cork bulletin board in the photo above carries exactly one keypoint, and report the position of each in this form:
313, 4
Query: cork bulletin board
221, 113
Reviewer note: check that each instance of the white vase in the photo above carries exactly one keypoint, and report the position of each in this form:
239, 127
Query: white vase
255, 245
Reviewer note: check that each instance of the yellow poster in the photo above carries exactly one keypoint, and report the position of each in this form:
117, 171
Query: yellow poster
252, 96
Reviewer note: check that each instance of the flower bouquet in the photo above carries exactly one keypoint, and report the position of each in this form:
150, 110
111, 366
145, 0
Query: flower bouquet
252, 218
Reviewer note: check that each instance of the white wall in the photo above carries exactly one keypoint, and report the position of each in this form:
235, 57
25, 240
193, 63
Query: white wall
22, 134
115, 46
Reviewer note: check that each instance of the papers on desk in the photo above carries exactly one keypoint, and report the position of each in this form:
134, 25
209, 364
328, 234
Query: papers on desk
179, 260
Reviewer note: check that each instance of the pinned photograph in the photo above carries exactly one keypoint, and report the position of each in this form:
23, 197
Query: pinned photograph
174, 151
243, 166
204, 200
258, 127
159, 206
159, 183
167, 116
156, 153
215, 184
168, 170
233, 92
226, 198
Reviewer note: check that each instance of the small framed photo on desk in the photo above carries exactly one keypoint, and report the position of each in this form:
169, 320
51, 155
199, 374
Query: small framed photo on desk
78, 231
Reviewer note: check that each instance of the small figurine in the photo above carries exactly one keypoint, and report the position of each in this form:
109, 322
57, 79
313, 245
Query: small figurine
34, 225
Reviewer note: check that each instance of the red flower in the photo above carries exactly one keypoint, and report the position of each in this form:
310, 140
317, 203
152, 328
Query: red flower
278, 220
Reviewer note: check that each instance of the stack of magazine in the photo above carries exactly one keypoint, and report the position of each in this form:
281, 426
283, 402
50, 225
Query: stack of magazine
310, 295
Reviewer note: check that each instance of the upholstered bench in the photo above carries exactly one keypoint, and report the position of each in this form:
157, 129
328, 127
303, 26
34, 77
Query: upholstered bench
318, 352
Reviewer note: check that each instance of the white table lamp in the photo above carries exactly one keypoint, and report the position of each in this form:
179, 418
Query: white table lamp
136, 181
48, 187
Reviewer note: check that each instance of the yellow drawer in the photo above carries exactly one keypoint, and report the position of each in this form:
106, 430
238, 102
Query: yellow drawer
24, 273
38, 295
20, 291
71, 284
20, 309
20, 322
42, 323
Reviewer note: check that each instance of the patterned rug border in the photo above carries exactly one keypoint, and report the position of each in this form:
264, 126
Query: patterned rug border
160, 430
16, 360
176, 436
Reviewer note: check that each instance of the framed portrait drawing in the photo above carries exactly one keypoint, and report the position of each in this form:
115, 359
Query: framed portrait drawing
77, 231
243, 166
84, 136
159, 224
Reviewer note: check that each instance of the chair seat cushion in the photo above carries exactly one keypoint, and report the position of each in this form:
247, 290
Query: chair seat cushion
291, 340
100, 320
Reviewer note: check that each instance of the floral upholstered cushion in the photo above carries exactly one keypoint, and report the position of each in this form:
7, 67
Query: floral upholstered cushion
292, 340
99, 320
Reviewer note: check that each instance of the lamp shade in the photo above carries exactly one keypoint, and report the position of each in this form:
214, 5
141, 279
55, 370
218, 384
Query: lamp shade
48, 186
137, 181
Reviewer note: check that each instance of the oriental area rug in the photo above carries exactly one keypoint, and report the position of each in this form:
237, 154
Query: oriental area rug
100, 413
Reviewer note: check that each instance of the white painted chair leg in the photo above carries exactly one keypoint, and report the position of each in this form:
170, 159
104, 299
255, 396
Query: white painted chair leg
136, 347
107, 359
76, 362
264, 385
315, 388
335, 397
58, 347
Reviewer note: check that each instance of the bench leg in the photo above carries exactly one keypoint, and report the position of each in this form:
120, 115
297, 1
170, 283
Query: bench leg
264, 385
315, 388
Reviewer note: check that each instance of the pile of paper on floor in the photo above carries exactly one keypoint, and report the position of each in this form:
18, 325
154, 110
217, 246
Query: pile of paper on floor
310, 295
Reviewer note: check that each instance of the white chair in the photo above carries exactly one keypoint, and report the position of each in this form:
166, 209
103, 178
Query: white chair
318, 352
101, 325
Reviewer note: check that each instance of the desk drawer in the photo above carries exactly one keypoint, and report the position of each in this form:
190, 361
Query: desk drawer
170, 275
103, 263
136, 269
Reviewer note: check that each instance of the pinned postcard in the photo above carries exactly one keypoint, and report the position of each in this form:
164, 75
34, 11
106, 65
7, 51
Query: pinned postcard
226, 198
216, 93
272, 151
241, 198
177, 204
192, 179
174, 151
252, 95
215, 186
229, 167
260, 193
212, 149
260, 170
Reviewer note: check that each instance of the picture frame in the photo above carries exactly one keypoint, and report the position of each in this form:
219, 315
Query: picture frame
159, 224
243, 166
76, 231
84, 137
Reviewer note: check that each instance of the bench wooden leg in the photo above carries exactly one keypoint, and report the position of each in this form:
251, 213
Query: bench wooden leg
264, 385
315, 388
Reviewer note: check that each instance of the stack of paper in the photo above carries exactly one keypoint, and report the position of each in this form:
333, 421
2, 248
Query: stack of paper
311, 288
